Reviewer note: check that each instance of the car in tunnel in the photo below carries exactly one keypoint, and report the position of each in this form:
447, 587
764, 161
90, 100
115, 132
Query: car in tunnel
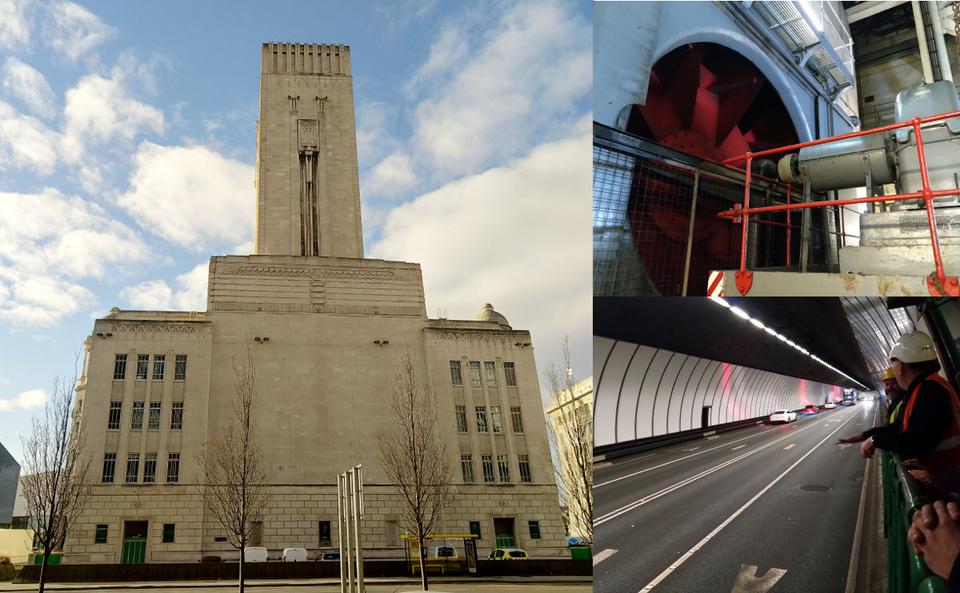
783, 416
829, 406
810, 409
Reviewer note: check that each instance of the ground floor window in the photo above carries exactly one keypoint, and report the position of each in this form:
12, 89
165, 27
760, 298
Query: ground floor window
169, 532
534, 529
325, 538
100, 535
475, 528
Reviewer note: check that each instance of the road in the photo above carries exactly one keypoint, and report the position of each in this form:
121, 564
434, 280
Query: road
768, 508
265, 587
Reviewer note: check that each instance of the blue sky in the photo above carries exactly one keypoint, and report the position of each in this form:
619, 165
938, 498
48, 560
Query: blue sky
127, 147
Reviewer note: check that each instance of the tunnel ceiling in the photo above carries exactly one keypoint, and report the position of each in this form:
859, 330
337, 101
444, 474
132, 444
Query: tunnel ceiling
703, 328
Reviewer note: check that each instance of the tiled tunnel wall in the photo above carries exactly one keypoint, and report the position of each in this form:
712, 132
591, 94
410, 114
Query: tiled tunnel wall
643, 392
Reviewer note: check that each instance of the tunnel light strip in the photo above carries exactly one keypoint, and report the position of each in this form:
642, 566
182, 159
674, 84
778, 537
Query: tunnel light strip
760, 325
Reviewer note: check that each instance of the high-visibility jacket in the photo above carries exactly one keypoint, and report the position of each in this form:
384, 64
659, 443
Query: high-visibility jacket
893, 412
946, 455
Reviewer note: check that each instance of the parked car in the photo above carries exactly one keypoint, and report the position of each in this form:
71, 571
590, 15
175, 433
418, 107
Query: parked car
255, 554
443, 552
329, 556
294, 555
783, 416
810, 409
829, 405
508, 554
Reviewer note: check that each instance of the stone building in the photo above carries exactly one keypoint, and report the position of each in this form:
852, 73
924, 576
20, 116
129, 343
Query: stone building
327, 330
570, 413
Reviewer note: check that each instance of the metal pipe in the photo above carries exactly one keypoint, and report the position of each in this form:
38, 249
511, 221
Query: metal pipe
946, 72
922, 41
917, 195
693, 215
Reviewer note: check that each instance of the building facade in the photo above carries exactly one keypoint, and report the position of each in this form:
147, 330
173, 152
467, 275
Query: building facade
327, 330
571, 415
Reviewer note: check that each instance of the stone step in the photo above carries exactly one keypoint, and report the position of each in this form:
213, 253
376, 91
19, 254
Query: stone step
908, 228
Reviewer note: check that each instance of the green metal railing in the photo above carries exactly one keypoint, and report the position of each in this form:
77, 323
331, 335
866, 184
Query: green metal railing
902, 496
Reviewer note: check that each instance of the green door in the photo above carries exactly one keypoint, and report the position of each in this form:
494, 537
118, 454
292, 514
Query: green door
134, 550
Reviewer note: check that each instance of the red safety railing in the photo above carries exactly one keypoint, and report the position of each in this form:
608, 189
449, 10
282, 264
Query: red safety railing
938, 282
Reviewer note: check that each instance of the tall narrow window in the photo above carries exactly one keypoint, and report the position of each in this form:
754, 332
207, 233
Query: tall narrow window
525, 468
159, 360
461, 418
475, 373
173, 468
517, 418
504, 468
475, 528
109, 467
153, 422
120, 367
113, 419
176, 416
136, 420
455, 376
496, 418
487, 468
534, 529
466, 466
490, 370
133, 467
510, 374
180, 368
143, 361
169, 532
150, 468
481, 418
325, 538
100, 535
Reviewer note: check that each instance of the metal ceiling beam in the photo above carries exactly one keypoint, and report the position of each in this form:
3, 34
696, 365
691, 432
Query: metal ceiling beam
868, 9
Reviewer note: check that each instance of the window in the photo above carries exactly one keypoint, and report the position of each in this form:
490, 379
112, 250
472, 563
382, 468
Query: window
133, 467
159, 360
169, 533
466, 465
510, 373
120, 367
461, 418
143, 361
109, 468
113, 420
325, 538
504, 468
455, 377
150, 468
525, 469
496, 418
136, 420
173, 468
475, 528
490, 370
481, 419
180, 368
534, 529
100, 535
517, 418
153, 422
475, 373
176, 416
487, 468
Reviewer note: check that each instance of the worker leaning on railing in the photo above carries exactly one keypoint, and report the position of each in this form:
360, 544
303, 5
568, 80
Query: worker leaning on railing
894, 405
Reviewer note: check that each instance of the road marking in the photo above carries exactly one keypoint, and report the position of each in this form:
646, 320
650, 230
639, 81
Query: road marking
858, 530
844, 445
738, 447
686, 556
692, 449
602, 465
603, 556
748, 581
790, 446
713, 437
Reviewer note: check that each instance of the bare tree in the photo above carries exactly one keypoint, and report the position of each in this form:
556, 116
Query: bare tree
54, 469
234, 483
415, 460
571, 430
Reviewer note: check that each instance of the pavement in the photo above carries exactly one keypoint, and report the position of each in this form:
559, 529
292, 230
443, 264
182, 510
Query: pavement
752, 510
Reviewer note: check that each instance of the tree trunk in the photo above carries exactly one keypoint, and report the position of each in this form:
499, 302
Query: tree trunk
43, 569
423, 564
242, 559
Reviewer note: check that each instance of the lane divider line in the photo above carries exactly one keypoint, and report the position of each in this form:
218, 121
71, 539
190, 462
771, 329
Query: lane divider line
738, 447
696, 548
790, 446
603, 555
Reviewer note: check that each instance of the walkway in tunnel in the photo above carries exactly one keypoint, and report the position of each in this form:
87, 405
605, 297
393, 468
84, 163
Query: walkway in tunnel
693, 517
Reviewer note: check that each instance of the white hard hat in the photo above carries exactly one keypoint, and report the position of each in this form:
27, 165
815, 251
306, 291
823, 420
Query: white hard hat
913, 347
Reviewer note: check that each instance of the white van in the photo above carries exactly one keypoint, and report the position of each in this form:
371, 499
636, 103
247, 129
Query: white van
294, 555
255, 554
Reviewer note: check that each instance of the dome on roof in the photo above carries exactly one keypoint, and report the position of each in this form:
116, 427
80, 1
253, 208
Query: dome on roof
488, 314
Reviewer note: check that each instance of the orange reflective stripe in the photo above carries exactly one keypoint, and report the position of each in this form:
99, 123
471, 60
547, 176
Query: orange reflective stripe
913, 396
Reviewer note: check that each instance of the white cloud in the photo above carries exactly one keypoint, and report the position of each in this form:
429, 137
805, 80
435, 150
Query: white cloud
26, 142
373, 136
27, 84
392, 175
74, 30
24, 401
48, 244
448, 50
14, 25
157, 294
191, 196
514, 236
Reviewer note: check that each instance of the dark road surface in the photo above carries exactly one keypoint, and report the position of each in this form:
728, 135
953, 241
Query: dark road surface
767, 508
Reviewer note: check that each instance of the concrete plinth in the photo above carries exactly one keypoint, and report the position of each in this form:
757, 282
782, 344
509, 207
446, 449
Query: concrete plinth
909, 228
827, 284
898, 260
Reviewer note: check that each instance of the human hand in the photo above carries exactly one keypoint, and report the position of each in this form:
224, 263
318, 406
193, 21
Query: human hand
927, 518
851, 439
941, 544
867, 449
